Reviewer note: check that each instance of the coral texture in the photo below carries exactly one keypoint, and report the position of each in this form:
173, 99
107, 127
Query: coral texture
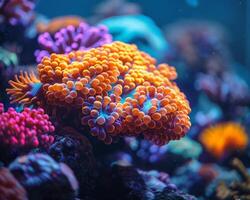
222, 138
44, 178
10, 188
16, 11
117, 88
27, 129
71, 38
76, 152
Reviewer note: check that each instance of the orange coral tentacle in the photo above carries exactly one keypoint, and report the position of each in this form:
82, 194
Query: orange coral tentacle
22, 86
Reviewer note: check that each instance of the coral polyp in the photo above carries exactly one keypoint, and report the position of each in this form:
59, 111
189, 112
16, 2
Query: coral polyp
222, 138
25, 88
118, 89
72, 38
28, 129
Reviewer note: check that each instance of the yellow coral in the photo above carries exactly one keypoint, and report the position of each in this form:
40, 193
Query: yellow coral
223, 138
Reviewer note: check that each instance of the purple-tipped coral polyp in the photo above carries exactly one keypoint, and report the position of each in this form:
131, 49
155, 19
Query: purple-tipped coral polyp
16, 11
117, 89
27, 129
72, 38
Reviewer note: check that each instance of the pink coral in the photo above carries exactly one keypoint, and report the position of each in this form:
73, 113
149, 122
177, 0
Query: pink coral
30, 128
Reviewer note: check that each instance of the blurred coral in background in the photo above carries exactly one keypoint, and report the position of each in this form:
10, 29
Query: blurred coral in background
222, 138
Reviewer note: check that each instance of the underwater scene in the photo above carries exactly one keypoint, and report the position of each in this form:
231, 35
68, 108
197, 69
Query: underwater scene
124, 100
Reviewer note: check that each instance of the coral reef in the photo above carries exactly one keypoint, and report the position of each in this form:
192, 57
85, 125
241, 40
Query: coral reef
75, 150
10, 188
159, 187
237, 189
72, 38
16, 11
199, 45
118, 89
221, 90
58, 23
145, 150
143, 32
186, 147
194, 177
181, 150
43, 178
223, 138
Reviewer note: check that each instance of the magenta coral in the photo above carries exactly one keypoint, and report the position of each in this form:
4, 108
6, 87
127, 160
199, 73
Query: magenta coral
72, 38
28, 129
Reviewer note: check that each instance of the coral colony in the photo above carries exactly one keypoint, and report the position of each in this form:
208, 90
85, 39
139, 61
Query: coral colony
16, 11
118, 90
70, 38
90, 109
29, 128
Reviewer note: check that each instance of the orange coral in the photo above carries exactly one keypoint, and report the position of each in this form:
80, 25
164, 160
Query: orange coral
24, 88
119, 90
59, 22
223, 138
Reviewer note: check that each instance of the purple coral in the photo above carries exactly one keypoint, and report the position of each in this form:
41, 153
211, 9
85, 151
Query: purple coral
44, 178
72, 38
16, 11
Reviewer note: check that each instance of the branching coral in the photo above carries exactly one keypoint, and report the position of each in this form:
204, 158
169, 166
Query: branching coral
28, 129
237, 189
223, 138
10, 188
44, 178
16, 11
70, 38
119, 90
